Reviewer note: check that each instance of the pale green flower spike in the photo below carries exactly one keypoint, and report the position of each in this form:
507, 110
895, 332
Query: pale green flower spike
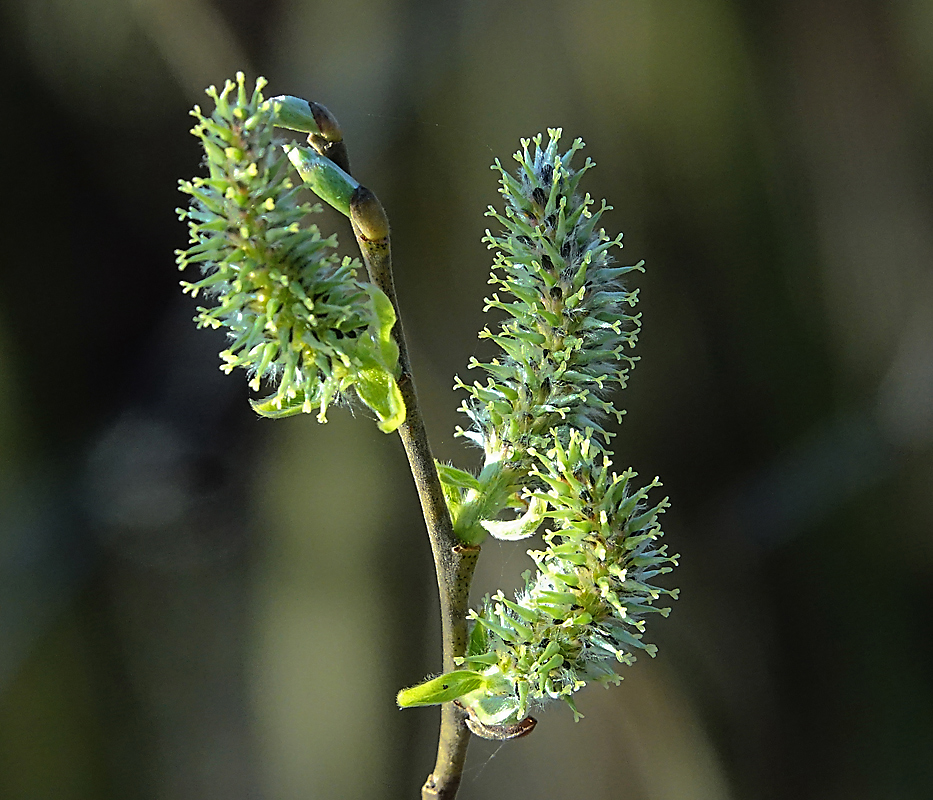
537, 418
296, 315
563, 343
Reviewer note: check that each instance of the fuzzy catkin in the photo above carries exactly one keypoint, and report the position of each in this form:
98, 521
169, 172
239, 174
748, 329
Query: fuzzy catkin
583, 610
295, 313
564, 344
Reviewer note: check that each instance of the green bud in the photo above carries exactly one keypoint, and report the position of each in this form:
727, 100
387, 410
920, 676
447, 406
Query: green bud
293, 113
323, 177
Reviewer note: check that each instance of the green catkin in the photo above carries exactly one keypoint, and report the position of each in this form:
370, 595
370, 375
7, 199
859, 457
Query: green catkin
583, 610
296, 315
565, 344
564, 341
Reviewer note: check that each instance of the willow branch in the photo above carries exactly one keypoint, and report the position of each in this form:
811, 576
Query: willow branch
454, 562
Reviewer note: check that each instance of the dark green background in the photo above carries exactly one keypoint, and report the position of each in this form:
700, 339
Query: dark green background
195, 603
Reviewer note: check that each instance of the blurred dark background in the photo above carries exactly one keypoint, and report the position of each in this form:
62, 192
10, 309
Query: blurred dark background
195, 603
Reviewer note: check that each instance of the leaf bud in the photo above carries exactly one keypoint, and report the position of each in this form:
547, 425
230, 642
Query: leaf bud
323, 177
293, 113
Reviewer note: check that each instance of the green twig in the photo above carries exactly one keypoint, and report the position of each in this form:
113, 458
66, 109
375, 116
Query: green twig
453, 561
